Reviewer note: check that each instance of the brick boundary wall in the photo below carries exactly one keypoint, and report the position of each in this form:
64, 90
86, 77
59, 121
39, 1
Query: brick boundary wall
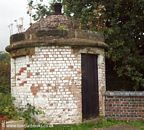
124, 105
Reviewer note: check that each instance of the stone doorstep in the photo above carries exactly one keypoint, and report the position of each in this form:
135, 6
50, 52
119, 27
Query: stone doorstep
14, 125
119, 127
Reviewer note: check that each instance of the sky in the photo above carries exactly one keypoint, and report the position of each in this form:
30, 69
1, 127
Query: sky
9, 12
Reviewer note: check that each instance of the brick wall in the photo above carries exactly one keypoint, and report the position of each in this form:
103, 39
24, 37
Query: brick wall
124, 105
50, 79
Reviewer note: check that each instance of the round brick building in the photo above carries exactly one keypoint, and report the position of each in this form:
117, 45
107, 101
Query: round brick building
59, 69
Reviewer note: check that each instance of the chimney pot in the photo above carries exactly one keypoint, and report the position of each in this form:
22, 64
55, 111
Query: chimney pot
57, 8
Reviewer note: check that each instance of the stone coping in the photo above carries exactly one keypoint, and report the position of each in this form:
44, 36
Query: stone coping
125, 93
74, 42
56, 34
79, 38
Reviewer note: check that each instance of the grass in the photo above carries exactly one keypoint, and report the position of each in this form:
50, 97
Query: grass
102, 123
138, 124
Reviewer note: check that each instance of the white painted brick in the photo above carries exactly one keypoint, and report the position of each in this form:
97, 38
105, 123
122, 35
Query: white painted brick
46, 58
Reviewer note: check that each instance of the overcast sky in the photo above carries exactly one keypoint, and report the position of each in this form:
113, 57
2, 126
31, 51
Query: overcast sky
11, 10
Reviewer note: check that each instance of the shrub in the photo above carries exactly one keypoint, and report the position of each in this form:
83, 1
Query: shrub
6, 106
29, 114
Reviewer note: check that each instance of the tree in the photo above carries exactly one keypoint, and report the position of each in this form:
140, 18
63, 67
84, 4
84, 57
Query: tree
122, 24
4, 72
40, 10
125, 36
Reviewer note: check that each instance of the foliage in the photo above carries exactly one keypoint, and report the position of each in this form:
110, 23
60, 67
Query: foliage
4, 57
91, 14
38, 10
6, 106
125, 36
29, 114
4, 72
8, 109
122, 23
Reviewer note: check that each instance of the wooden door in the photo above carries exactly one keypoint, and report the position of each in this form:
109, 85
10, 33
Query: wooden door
90, 98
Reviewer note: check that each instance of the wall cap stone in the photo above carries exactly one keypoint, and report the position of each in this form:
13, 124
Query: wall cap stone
125, 93
57, 42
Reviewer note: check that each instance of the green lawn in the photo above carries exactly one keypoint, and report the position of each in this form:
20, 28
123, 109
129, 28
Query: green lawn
90, 125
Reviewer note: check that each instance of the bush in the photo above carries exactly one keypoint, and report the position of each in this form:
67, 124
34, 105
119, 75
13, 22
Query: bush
29, 114
6, 106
